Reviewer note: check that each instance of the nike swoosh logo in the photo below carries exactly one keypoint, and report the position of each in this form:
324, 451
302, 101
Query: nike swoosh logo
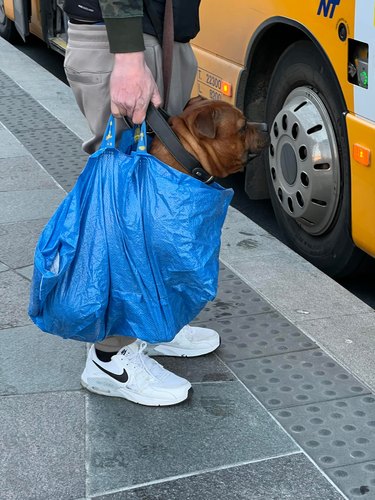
120, 378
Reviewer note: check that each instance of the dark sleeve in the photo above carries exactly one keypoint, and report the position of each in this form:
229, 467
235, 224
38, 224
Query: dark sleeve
123, 20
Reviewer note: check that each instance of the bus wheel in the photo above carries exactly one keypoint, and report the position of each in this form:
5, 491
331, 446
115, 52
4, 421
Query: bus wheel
308, 162
7, 28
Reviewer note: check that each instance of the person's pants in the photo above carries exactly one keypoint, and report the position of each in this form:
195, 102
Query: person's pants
88, 65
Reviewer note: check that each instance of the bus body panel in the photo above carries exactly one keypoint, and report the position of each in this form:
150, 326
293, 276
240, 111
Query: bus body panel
235, 45
362, 132
321, 19
36, 21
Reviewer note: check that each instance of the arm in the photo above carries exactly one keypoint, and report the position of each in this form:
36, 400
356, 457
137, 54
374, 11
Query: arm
132, 85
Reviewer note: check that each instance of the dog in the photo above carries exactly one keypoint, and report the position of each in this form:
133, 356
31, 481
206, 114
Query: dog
217, 134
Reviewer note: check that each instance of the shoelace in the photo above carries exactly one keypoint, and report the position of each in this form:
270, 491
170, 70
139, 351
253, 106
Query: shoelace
152, 367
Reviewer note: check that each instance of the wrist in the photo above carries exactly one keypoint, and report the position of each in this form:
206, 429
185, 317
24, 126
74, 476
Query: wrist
133, 58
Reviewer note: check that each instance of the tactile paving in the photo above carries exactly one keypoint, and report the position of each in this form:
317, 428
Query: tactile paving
225, 273
20, 113
46, 138
334, 433
8, 87
59, 151
234, 298
356, 481
298, 378
247, 337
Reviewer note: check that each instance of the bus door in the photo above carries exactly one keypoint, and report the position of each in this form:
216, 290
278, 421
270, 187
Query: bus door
21, 17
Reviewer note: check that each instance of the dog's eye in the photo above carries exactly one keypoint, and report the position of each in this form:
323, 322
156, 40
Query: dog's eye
242, 129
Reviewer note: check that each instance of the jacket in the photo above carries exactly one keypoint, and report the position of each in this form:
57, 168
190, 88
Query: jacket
127, 20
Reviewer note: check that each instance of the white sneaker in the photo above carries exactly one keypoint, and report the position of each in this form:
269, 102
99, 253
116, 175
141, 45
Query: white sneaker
189, 342
134, 376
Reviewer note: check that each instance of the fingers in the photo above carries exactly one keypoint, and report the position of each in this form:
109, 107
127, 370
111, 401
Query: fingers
132, 88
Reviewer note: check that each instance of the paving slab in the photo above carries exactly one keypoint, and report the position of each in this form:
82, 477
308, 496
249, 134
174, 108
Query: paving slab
299, 302
18, 241
10, 146
68, 159
350, 339
53, 364
15, 206
334, 433
286, 478
265, 334
234, 298
23, 172
220, 425
3, 267
42, 446
356, 481
14, 300
201, 369
296, 378
26, 272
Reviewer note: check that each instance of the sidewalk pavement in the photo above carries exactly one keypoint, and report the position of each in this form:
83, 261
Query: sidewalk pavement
283, 410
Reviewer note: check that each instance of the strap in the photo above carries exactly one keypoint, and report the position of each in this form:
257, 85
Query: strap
158, 121
168, 39
165, 34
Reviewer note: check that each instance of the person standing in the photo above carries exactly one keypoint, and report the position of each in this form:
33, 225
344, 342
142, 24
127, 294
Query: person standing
113, 64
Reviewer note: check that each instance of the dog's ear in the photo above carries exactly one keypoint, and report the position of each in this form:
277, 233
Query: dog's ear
205, 122
195, 100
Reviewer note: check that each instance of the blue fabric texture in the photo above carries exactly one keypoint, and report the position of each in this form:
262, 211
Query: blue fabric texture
132, 250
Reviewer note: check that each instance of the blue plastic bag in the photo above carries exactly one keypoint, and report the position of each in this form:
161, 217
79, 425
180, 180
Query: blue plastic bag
132, 250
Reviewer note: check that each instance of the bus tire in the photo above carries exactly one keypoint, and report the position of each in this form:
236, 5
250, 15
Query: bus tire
308, 165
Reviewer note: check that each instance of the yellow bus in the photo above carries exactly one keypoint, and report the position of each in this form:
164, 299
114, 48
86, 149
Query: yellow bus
43, 18
307, 69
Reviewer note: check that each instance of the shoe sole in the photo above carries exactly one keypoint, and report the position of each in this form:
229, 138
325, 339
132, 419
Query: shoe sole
133, 397
165, 350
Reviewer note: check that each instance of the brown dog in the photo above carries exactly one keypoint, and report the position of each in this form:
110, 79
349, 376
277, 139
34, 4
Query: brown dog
217, 134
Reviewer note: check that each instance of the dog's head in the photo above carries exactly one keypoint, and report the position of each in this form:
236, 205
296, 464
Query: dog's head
219, 135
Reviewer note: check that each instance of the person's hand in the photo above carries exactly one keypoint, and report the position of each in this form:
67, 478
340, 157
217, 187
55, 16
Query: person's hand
132, 87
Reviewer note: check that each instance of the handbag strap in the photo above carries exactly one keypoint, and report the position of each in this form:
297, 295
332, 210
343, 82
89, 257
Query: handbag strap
158, 121
165, 35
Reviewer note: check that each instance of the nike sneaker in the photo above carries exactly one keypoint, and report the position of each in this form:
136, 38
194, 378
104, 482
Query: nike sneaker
191, 341
132, 375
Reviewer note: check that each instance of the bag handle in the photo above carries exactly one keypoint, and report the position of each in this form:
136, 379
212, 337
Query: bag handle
139, 136
109, 137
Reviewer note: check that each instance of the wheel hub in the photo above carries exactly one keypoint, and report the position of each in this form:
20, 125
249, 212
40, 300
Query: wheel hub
304, 161
288, 162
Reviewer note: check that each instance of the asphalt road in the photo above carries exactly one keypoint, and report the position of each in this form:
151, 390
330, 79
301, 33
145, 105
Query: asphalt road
363, 286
